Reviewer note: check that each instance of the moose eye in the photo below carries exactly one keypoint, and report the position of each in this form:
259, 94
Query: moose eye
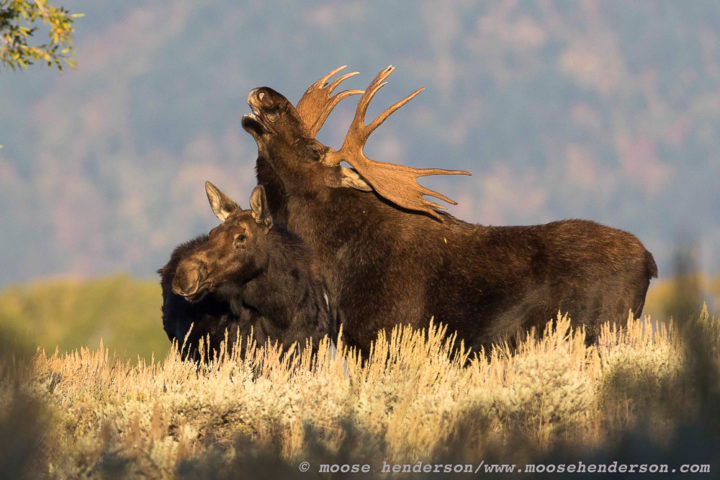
239, 239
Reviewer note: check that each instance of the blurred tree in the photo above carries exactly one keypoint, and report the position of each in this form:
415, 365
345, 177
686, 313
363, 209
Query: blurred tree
18, 20
686, 299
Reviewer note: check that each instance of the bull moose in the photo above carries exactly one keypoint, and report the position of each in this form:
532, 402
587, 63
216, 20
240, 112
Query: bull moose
390, 256
249, 272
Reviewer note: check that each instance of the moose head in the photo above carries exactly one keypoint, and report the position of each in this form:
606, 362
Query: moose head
285, 132
262, 271
236, 250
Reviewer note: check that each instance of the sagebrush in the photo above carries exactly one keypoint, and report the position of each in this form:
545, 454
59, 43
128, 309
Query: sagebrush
418, 396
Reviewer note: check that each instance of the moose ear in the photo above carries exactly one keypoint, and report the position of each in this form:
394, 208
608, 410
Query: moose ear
222, 206
259, 207
349, 178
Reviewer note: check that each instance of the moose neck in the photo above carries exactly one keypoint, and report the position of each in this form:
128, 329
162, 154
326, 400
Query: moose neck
285, 282
274, 188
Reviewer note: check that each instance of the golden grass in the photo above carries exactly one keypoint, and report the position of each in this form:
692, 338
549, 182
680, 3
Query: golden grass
411, 398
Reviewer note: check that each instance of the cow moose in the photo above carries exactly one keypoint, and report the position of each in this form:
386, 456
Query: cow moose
391, 256
249, 272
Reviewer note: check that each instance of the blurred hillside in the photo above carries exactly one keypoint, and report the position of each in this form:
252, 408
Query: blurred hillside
603, 110
122, 312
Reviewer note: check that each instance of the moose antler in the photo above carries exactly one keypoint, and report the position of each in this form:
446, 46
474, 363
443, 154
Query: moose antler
396, 183
317, 102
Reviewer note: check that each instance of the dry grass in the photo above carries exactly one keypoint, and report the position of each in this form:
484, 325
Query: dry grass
413, 399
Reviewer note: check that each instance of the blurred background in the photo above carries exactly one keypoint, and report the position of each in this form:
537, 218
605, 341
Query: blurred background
605, 110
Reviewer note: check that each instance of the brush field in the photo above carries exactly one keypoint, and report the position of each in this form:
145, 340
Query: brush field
95, 416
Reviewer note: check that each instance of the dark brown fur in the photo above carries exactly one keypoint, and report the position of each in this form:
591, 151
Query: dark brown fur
209, 317
387, 266
265, 275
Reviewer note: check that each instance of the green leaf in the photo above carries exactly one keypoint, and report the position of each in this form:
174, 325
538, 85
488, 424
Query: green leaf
19, 23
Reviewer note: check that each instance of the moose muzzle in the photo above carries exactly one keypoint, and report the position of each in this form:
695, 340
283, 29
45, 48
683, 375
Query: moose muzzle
189, 276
